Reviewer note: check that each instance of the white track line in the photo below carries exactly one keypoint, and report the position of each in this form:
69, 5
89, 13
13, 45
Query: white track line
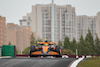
75, 63
5, 57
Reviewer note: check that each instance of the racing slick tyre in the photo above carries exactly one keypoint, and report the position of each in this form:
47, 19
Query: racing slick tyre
31, 56
57, 49
32, 48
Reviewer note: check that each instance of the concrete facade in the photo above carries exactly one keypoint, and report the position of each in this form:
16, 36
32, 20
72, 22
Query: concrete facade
66, 22
98, 24
2, 31
26, 20
18, 36
83, 24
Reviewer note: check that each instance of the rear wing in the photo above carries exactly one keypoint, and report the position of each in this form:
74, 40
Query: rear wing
46, 42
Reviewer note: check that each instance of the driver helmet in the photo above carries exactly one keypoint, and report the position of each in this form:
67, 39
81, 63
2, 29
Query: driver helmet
46, 40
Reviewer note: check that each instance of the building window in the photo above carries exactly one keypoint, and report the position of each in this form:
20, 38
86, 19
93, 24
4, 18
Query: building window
21, 23
28, 18
45, 10
36, 9
66, 11
28, 24
73, 11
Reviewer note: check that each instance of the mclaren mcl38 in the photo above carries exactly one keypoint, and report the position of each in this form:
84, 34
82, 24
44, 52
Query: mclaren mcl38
45, 49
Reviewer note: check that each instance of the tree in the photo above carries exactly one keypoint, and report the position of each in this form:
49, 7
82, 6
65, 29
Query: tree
97, 45
16, 51
59, 43
32, 39
68, 52
80, 45
66, 43
81, 39
25, 51
87, 48
73, 45
9, 43
84, 47
89, 38
39, 39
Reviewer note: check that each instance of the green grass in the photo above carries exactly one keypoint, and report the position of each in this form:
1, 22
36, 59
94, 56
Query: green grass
90, 63
98, 57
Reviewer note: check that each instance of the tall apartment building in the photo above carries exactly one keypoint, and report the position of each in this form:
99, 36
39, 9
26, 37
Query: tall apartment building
2, 30
98, 24
83, 24
92, 25
26, 20
19, 36
64, 21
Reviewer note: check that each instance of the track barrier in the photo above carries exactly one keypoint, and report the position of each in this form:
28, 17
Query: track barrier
65, 56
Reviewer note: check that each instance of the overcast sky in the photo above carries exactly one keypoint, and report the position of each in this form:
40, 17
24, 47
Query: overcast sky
13, 10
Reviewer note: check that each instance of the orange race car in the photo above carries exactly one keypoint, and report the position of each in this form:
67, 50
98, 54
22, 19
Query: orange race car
45, 49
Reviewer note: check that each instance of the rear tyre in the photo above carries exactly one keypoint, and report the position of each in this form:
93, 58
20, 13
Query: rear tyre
59, 56
32, 49
57, 49
31, 56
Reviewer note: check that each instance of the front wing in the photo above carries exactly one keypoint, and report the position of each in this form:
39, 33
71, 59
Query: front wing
39, 53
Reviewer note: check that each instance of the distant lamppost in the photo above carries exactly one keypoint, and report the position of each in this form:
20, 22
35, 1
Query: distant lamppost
52, 21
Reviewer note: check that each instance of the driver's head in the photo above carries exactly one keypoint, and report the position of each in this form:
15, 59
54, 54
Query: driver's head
46, 40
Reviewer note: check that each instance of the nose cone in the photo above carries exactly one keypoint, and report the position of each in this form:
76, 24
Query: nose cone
45, 48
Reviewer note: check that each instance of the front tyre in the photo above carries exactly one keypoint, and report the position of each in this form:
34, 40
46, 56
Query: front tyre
32, 48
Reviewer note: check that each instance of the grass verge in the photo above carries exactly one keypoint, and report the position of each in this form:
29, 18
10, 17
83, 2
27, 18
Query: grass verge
97, 57
90, 62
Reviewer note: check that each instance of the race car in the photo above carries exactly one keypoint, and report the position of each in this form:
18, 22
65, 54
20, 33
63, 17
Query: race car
45, 49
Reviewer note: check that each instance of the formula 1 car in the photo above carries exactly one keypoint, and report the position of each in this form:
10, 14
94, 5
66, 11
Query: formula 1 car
45, 49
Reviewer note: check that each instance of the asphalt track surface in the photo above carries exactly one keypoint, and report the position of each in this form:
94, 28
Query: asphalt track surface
36, 62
